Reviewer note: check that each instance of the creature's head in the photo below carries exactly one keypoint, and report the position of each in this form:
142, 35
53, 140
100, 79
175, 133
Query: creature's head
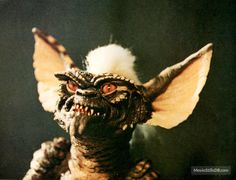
107, 99
101, 105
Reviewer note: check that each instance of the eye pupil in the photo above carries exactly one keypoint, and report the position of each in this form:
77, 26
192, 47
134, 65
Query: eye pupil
72, 86
107, 88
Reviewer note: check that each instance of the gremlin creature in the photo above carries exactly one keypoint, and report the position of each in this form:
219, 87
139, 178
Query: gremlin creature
100, 107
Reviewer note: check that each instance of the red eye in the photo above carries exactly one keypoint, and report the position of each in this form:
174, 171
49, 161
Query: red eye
72, 86
108, 88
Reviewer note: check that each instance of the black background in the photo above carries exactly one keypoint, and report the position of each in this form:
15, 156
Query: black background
159, 33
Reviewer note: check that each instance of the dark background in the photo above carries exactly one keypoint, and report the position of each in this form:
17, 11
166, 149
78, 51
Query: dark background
160, 33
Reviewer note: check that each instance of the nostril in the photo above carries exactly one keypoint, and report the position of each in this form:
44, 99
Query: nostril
77, 92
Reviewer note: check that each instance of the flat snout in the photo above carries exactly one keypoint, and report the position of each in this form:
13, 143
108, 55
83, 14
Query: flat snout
90, 92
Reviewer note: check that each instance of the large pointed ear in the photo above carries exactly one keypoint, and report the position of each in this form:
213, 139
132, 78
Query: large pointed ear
175, 91
50, 57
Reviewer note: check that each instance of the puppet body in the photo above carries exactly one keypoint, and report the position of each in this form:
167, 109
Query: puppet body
100, 107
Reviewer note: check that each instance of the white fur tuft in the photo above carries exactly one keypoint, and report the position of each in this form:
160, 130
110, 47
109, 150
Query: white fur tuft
112, 59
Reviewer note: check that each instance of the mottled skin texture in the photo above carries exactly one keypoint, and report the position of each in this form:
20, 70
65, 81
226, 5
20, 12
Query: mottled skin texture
100, 113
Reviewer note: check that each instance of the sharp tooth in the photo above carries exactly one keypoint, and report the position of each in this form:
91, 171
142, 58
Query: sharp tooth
89, 114
124, 127
131, 81
81, 107
98, 113
122, 96
86, 108
131, 125
92, 111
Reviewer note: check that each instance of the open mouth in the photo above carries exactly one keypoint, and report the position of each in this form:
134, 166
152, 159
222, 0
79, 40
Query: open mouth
87, 110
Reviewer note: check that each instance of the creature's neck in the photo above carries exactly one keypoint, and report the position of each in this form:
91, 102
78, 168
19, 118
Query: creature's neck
103, 158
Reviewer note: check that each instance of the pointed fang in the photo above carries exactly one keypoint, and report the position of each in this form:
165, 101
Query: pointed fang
124, 127
92, 111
